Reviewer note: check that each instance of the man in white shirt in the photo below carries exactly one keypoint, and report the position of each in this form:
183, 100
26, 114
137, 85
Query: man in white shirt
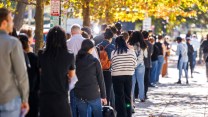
196, 45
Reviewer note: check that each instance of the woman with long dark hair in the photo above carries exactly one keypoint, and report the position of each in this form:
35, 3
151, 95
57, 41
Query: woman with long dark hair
140, 48
123, 66
56, 67
90, 87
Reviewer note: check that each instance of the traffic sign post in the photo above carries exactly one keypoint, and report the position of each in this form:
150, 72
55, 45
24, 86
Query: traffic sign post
55, 13
147, 24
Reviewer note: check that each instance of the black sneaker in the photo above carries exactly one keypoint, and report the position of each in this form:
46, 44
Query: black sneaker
179, 82
187, 82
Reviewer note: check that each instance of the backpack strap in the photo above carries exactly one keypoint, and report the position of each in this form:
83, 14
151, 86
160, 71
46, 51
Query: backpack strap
104, 47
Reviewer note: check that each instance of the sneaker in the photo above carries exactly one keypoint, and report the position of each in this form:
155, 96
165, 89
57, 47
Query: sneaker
143, 100
133, 110
187, 82
179, 82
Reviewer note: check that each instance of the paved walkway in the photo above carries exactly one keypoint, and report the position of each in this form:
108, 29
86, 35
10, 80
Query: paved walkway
173, 100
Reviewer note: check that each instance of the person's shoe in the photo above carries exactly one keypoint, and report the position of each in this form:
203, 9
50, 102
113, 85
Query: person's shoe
192, 76
133, 110
179, 82
151, 85
187, 82
143, 100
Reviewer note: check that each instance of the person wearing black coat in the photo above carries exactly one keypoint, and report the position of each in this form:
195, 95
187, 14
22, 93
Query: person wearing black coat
190, 55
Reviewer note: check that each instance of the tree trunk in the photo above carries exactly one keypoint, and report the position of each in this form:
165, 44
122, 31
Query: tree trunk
39, 25
86, 13
19, 14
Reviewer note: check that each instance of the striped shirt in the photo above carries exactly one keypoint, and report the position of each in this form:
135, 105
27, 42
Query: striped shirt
123, 64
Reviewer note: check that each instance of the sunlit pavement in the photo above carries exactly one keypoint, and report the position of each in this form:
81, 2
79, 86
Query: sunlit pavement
174, 100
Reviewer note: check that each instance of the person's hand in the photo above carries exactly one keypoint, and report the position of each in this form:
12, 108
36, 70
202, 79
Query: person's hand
104, 101
25, 106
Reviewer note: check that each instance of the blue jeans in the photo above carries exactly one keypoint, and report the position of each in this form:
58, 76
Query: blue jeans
159, 67
95, 107
153, 72
194, 59
183, 65
73, 102
11, 109
139, 77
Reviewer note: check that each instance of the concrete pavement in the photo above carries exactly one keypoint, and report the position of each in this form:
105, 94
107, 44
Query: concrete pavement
174, 100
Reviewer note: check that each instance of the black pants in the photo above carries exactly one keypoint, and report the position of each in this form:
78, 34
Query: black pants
146, 80
33, 103
108, 84
190, 62
122, 87
54, 106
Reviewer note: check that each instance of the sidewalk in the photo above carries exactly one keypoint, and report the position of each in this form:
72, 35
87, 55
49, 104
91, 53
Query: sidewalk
173, 100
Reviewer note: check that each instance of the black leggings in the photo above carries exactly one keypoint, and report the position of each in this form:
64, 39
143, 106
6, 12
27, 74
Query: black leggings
108, 84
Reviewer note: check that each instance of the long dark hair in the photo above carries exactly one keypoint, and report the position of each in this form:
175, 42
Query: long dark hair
85, 47
121, 45
55, 42
136, 37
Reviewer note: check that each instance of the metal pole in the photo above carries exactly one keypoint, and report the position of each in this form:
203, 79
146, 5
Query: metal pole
60, 14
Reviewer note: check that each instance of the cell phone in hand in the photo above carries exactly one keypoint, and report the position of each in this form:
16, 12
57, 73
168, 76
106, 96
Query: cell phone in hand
23, 113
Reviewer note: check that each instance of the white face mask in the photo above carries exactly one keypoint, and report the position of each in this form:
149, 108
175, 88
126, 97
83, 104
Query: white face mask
161, 41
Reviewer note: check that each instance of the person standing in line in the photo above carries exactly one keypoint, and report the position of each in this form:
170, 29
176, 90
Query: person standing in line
108, 47
30, 38
204, 48
90, 87
190, 55
123, 67
14, 85
98, 39
31, 61
57, 68
196, 45
147, 62
114, 30
140, 48
182, 52
161, 46
74, 45
87, 34
167, 54
154, 59
118, 25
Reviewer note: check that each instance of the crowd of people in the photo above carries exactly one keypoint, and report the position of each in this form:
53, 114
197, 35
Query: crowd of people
74, 75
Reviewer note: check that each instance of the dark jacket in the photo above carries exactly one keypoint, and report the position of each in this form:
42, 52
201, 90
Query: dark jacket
147, 61
159, 45
190, 52
204, 46
90, 84
155, 54
33, 72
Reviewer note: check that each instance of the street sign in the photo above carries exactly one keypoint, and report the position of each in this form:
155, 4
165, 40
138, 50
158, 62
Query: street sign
147, 24
55, 7
54, 21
